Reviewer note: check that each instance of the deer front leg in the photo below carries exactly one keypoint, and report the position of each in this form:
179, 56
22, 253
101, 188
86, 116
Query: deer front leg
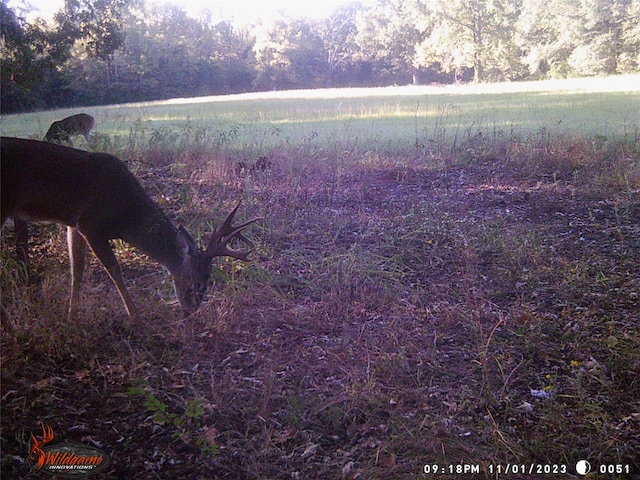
103, 251
77, 257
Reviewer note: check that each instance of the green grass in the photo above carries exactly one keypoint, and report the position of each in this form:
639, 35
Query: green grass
379, 119
402, 303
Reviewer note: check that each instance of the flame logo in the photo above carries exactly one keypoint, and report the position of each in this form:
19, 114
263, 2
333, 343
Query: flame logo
36, 445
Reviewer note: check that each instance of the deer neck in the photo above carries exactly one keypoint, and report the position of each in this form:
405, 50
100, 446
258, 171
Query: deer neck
155, 235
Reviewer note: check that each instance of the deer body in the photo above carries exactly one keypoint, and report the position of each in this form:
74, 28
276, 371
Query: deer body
99, 199
61, 130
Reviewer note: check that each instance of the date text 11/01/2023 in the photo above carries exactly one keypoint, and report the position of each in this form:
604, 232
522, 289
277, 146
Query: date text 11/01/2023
582, 467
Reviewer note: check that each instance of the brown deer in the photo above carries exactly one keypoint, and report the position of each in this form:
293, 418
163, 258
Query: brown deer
99, 199
61, 131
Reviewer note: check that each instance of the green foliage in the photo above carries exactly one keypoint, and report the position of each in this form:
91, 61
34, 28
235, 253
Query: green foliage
29, 55
288, 53
185, 426
115, 51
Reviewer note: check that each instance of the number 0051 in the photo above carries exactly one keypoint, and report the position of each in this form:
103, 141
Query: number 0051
615, 468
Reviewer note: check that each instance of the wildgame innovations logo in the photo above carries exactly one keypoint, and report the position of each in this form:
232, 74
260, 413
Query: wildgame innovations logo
65, 459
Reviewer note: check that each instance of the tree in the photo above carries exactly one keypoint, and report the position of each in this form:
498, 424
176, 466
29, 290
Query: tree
600, 37
387, 37
591, 37
31, 55
630, 35
338, 34
99, 25
233, 56
475, 34
288, 54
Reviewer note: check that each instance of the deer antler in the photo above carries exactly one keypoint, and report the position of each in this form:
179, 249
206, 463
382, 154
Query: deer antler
218, 244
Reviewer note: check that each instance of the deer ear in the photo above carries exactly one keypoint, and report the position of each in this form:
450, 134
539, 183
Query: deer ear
185, 243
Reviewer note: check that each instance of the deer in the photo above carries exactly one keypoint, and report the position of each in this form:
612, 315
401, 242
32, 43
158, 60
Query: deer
62, 130
98, 198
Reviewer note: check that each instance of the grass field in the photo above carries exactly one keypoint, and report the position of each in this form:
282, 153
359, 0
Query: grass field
391, 119
444, 277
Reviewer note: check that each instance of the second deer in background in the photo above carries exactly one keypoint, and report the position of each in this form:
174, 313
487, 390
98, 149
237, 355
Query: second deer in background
62, 130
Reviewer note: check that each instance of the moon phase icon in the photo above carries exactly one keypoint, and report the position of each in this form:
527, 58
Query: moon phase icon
583, 467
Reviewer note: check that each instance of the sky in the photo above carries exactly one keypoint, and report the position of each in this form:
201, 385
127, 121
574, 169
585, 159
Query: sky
242, 11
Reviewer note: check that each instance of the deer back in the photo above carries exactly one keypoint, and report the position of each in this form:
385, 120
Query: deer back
50, 182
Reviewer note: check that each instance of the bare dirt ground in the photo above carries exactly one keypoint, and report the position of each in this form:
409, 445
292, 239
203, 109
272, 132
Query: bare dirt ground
397, 314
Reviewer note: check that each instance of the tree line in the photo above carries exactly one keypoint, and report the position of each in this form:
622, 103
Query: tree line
113, 51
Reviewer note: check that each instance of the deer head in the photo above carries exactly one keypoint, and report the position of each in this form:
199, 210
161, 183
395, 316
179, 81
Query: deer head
191, 280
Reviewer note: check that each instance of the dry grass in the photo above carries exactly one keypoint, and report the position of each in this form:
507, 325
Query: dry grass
399, 312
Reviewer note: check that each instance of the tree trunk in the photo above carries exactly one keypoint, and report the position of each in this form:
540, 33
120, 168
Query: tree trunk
478, 70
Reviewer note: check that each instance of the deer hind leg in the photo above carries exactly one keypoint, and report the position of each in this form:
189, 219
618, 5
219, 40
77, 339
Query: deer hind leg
77, 258
103, 251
